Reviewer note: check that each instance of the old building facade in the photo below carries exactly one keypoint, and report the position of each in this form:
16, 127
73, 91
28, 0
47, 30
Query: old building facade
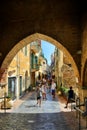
62, 23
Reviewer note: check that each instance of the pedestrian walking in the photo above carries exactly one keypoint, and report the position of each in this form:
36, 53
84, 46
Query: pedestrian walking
53, 88
44, 91
70, 96
38, 93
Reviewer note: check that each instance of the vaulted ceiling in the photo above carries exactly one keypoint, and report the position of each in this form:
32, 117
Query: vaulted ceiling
59, 19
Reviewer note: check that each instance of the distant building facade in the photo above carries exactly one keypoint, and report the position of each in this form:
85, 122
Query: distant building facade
19, 73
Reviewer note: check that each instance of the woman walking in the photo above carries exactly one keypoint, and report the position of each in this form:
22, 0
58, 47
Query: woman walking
53, 88
38, 93
44, 91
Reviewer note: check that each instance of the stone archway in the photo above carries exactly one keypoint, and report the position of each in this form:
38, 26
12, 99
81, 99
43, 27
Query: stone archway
32, 38
85, 76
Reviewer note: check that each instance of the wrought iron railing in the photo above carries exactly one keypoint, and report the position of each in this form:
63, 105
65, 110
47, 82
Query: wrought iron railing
81, 113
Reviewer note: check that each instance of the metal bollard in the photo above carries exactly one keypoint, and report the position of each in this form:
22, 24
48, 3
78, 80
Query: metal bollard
85, 113
77, 104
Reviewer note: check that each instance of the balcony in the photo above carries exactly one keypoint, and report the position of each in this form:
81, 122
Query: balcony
34, 67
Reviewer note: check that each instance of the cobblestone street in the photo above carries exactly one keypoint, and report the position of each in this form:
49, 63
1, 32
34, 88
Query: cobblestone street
25, 115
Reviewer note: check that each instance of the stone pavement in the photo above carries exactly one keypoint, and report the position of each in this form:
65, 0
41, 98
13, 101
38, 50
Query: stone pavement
25, 115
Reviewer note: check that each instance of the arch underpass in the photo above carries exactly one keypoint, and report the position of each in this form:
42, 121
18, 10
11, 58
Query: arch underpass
32, 38
62, 23
56, 19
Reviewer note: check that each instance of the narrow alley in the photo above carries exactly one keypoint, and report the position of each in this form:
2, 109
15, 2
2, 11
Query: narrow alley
26, 115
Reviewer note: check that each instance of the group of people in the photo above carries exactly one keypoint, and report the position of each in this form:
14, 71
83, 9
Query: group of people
42, 88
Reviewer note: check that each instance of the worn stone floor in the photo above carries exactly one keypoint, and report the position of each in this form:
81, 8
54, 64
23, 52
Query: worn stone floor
26, 115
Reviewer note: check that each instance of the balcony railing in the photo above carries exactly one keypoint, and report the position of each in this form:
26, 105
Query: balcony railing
34, 67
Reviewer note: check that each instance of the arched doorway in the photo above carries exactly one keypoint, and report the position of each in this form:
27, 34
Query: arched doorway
32, 38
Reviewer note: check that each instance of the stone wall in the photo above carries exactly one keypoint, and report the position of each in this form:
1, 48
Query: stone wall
56, 19
84, 55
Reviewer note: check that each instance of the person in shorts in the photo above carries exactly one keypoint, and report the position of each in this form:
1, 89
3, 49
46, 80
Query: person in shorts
38, 93
70, 96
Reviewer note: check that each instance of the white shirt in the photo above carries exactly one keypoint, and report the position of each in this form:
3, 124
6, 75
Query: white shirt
53, 86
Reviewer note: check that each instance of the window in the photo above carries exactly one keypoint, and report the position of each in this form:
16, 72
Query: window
25, 50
